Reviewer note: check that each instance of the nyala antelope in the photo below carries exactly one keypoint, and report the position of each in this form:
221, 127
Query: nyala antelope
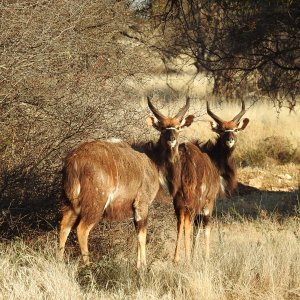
106, 179
221, 150
109, 179
192, 178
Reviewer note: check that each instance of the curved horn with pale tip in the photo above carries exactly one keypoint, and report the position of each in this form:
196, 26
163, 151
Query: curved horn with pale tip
210, 113
240, 114
155, 111
183, 110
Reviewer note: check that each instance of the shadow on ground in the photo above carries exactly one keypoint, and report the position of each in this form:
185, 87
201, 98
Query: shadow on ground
250, 202
29, 204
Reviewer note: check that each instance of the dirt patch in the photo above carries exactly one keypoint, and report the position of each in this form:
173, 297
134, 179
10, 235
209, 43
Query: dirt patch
263, 193
274, 178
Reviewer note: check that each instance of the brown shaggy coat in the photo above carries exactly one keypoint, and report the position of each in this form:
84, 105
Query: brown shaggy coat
107, 179
220, 151
195, 186
192, 179
222, 157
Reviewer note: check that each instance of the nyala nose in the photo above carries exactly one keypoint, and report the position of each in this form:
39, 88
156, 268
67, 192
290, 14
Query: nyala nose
172, 138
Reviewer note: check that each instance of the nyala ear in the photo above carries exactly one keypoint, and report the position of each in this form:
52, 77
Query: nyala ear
187, 121
245, 123
150, 121
214, 126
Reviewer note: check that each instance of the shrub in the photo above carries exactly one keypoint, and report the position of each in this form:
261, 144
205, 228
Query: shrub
250, 157
279, 148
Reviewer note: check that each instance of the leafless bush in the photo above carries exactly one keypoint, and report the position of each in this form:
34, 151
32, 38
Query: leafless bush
247, 47
62, 73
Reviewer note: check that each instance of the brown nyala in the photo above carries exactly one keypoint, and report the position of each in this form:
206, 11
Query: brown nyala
109, 179
106, 179
193, 179
220, 151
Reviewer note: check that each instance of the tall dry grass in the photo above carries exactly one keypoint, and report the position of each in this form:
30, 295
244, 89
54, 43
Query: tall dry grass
250, 260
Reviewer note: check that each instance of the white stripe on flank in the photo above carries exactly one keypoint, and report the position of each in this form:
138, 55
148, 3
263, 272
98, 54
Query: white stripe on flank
111, 195
137, 217
110, 198
114, 140
205, 211
223, 184
203, 188
163, 181
77, 189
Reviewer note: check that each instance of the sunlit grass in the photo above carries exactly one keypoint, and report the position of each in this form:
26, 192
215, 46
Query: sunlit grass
249, 260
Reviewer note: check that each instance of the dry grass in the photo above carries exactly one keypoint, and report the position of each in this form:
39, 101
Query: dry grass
250, 260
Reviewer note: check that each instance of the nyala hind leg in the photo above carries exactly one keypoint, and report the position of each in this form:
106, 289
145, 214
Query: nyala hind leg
140, 223
196, 232
68, 220
207, 229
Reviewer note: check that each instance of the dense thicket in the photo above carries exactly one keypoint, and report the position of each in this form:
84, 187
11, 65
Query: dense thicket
62, 74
